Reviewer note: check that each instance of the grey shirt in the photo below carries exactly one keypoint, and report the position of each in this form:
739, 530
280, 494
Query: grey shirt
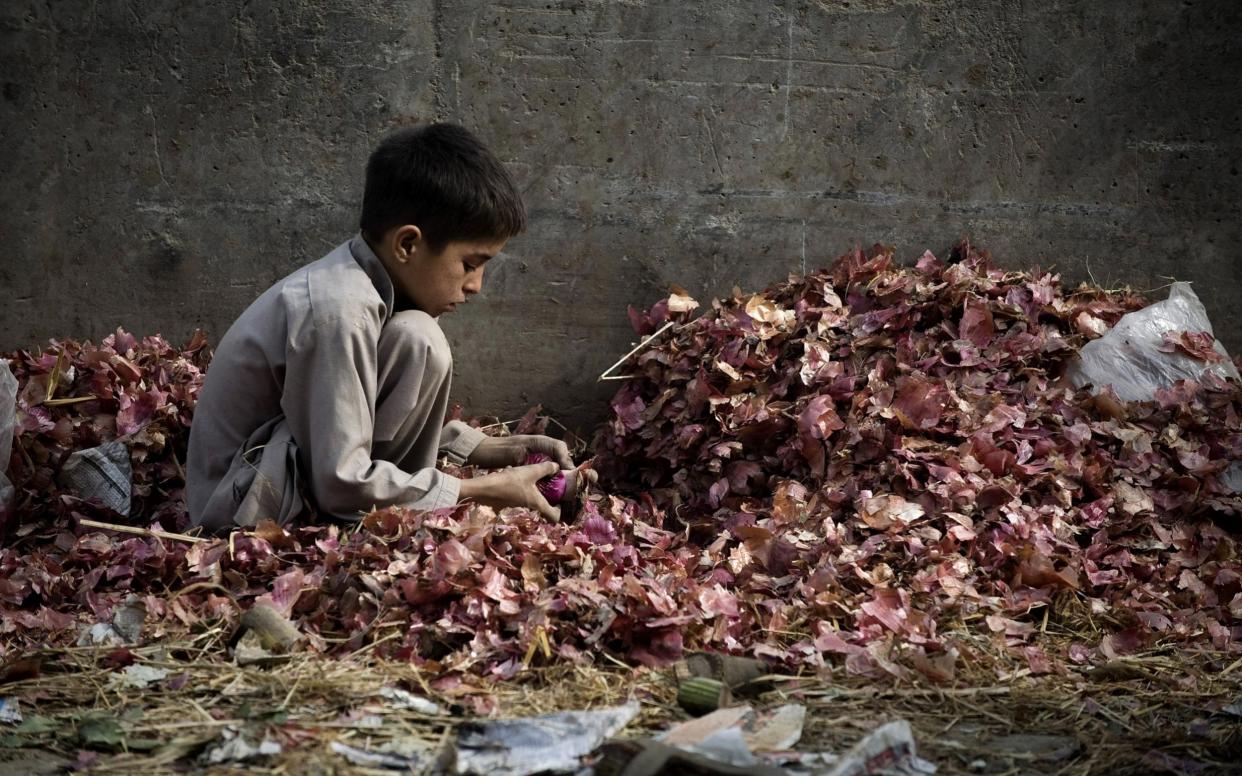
308, 350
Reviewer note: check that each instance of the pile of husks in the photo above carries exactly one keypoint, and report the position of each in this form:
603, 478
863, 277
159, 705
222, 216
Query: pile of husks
865, 463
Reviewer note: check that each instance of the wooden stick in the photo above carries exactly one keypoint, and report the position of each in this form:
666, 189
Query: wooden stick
129, 529
637, 348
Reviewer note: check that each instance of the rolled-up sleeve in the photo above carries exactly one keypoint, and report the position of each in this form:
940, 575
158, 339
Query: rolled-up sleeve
458, 440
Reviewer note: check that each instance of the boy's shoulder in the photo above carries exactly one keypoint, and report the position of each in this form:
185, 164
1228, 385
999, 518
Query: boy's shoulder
348, 282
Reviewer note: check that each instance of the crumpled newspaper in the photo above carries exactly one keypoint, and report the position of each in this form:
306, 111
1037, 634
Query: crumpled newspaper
104, 474
551, 742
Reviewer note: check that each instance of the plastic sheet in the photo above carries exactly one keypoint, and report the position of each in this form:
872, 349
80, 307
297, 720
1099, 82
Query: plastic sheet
8, 421
1130, 358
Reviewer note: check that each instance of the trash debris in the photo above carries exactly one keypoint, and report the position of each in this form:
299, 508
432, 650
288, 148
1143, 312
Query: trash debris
274, 631
125, 629
103, 474
699, 695
732, 740
740, 674
249, 650
727, 746
407, 700
696, 730
138, 676
381, 757
1135, 360
10, 711
775, 730
549, 742
648, 757
889, 749
236, 748
73, 396
8, 420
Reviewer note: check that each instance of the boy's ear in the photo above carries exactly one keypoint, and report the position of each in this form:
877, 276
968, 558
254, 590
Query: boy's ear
405, 242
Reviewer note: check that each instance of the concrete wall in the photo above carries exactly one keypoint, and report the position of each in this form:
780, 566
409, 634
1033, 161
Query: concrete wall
163, 162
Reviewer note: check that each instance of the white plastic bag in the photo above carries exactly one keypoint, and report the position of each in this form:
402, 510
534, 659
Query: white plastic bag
8, 422
1128, 357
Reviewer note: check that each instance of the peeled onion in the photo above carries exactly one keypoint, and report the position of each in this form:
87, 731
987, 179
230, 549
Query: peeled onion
553, 487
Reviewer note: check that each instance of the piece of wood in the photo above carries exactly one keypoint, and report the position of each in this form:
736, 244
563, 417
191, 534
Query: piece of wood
274, 630
130, 529
637, 348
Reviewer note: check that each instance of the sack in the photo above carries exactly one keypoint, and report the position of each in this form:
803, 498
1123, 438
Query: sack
103, 474
1132, 357
8, 423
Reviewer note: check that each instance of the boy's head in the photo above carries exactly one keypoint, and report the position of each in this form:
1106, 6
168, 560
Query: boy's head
437, 205
440, 178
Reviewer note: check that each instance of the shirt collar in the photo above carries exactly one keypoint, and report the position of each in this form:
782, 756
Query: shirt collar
375, 270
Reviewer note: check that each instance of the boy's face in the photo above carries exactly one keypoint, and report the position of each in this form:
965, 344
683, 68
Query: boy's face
437, 281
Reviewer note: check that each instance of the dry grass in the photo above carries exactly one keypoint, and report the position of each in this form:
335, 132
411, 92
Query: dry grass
1112, 716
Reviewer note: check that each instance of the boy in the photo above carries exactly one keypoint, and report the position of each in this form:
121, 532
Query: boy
332, 387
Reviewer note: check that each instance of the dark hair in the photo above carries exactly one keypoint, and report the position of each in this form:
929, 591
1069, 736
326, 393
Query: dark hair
440, 178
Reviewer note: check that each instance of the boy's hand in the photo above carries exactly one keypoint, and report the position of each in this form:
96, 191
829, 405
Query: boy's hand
513, 487
499, 452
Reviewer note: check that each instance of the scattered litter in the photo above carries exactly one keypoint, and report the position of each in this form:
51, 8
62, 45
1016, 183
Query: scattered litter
125, 629
369, 758
1135, 356
103, 474
776, 730
888, 749
699, 695
407, 700
236, 748
138, 676
10, 711
648, 757
275, 631
695, 731
249, 650
726, 746
549, 742
1234, 709
739, 674
767, 731
8, 406
401, 754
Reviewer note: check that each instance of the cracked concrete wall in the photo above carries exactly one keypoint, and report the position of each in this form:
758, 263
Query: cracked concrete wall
164, 162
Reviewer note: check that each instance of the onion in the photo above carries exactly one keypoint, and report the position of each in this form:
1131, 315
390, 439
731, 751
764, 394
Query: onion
553, 487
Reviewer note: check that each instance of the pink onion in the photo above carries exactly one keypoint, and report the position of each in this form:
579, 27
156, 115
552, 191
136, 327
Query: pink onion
553, 487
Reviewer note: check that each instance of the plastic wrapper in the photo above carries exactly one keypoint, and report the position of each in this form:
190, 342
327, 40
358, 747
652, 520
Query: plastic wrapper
1135, 356
551, 742
8, 420
102, 474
